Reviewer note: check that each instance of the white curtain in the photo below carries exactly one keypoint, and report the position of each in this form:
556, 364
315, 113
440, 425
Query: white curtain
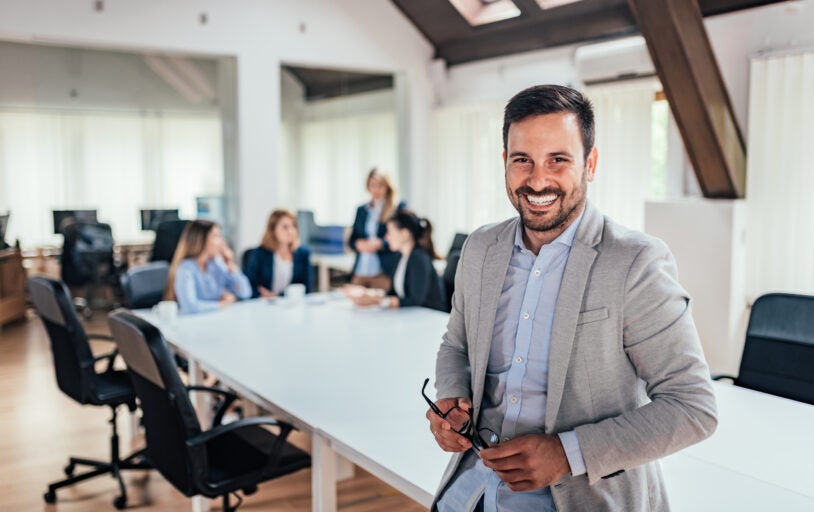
780, 175
116, 163
466, 188
623, 139
335, 156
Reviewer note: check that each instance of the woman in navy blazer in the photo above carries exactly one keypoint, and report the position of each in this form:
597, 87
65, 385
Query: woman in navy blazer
374, 259
280, 260
415, 282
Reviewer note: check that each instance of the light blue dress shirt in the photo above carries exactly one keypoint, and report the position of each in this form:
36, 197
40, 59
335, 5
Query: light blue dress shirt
516, 386
369, 263
197, 291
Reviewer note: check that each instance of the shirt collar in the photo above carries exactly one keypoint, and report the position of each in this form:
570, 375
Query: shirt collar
565, 238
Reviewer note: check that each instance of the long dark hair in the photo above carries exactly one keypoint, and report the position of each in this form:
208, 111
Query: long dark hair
191, 245
419, 228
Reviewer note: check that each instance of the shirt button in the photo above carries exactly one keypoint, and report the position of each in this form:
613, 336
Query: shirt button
525, 316
513, 399
518, 359
537, 272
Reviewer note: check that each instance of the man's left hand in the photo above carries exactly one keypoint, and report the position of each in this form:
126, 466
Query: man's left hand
528, 462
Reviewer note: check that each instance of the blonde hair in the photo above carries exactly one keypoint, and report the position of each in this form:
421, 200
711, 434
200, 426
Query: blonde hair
190, 245
390, 202
270, 241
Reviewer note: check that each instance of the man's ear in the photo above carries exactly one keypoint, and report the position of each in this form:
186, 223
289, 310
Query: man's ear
590, 164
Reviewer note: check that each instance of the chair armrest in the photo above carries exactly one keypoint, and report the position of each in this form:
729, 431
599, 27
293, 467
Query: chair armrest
228, 399
103, 337
205, 437
719, 376
276, 449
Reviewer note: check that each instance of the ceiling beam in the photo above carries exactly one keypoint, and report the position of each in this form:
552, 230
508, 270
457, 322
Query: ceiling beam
681, 52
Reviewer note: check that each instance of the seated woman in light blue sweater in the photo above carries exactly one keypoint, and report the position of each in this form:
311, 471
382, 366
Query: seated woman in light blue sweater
203, 275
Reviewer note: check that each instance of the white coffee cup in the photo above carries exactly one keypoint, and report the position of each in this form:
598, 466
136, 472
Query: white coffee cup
295, 292
166, 310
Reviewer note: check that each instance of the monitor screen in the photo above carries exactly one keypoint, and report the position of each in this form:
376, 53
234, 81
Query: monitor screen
3, 226
63, 217
150, 219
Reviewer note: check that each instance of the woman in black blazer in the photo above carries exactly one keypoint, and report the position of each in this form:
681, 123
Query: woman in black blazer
415, 282
374, 259
280, 260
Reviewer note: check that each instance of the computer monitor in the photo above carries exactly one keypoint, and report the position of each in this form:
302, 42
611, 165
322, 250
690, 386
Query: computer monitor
61, 217
150, 219
3, 227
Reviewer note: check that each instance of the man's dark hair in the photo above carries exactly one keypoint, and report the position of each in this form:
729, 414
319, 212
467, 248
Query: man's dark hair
551, 99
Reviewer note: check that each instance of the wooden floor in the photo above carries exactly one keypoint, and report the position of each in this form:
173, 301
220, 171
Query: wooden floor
40, 428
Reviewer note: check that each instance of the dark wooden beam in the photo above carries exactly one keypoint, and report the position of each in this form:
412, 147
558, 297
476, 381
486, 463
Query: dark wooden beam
681, 52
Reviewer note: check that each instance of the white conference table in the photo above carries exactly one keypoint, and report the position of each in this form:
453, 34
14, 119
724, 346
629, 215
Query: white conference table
352, 377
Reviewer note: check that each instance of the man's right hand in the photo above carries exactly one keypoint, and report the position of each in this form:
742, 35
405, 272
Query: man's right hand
445, 436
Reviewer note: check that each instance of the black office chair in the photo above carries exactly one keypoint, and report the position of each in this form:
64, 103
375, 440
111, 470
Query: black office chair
448, 278
87, 261
77, 377
453, 256
166, 239
214, 463
778, 356
143, 286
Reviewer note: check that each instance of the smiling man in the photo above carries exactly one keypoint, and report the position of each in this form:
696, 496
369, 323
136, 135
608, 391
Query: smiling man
571, 363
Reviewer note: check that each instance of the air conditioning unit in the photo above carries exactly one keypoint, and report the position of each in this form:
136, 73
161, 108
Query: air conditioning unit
612, 61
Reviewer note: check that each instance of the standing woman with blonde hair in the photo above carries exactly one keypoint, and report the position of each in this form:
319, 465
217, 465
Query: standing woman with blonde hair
375, 261
280, 260
203, 274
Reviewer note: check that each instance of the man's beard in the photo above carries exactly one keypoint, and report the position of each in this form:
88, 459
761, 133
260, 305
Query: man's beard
567, 209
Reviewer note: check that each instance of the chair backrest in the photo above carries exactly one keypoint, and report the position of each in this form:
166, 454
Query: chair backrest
73, 359
166, 239
144, 285
778, 356
458, 242
168, 415
453, 257
87, 252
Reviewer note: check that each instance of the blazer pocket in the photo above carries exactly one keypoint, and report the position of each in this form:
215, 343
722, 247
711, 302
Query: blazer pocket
593, 315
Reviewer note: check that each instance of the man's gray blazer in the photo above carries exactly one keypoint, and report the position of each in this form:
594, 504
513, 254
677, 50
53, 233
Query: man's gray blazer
626, 367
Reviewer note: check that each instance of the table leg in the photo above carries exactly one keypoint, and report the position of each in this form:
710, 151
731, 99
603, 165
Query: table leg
323, 475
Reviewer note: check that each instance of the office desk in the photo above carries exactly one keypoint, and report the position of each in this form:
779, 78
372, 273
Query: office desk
352, 379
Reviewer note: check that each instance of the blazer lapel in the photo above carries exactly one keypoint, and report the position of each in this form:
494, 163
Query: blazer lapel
569, 304
495, 264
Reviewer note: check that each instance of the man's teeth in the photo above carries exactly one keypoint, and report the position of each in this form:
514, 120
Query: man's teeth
542, 200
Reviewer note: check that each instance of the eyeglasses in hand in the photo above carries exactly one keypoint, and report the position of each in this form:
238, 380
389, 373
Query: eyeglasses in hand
462, 423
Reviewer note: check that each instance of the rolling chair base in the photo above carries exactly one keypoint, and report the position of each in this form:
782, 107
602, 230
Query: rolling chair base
114, 467
99, 468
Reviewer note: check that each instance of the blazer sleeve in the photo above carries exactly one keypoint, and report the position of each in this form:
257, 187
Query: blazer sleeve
358, 230
452, 368
417, 279
252, 270
661, 341
303, 271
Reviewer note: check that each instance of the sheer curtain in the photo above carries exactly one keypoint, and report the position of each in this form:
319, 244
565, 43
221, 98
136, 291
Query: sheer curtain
623, 139
780, 175
335, 156
466, 188
117, 163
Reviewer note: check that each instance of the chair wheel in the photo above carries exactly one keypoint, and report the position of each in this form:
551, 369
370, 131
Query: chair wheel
69, 469
120, 502
50, 497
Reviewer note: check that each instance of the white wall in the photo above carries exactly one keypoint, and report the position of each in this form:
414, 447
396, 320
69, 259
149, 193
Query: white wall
357, 34
41, 76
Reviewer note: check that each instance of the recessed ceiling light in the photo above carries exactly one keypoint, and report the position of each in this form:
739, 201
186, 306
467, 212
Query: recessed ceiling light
482, 12
550, 4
